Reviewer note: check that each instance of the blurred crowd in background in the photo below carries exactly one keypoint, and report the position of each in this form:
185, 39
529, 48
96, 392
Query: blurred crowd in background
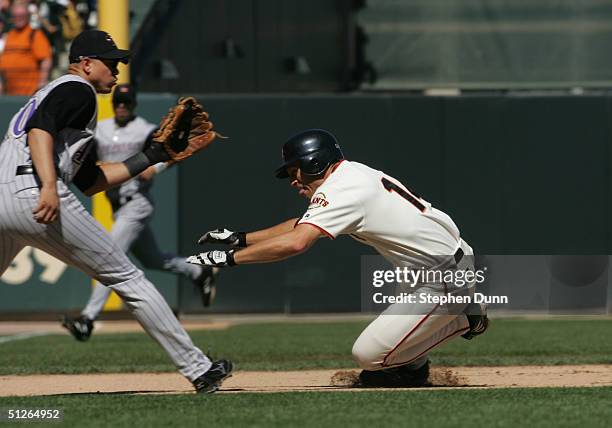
35, 37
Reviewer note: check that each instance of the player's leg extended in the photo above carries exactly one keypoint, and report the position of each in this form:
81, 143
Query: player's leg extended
124, 233
405, 333
78, 239
146, 250
10, 246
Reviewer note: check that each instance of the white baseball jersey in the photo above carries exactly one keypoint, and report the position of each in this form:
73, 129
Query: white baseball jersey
117, 143
71, 145
376, 209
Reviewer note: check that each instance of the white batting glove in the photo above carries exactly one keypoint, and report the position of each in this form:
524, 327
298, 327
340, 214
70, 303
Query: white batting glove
213, 258
223, 236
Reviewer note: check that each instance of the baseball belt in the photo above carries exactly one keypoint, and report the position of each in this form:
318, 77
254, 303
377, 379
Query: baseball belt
25, 170
30, 170
458, 255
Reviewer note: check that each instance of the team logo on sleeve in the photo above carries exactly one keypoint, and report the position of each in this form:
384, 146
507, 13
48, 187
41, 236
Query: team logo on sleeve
318, 200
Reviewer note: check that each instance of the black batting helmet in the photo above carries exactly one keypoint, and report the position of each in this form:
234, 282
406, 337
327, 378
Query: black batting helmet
313, 149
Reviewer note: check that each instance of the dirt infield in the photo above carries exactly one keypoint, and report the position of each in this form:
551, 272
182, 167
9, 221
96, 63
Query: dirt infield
307, 380
102, 327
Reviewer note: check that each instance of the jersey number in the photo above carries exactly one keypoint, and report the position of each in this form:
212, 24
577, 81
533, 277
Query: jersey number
410, 196
24, 116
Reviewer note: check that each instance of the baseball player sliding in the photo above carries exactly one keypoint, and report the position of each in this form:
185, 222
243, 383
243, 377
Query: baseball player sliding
117, 139
49, 144
349, 198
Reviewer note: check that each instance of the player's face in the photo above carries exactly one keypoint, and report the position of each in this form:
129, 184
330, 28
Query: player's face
103, 74
307, 185
123, 112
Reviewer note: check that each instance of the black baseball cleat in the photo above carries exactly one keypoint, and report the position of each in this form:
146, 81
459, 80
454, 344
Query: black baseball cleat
479, 322
206, 283
211, 381
396, 377
80, 327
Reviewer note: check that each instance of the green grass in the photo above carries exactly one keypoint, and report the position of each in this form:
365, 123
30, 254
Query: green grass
558, 407
288, 346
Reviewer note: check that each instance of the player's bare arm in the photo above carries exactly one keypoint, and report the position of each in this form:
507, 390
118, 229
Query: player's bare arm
41, 148
284, 240
280, 247
224, 236
148, 174
109, 175
114, 173
271, 232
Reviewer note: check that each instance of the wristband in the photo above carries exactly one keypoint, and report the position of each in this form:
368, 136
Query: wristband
230, 258
241, 239
152, 155
137, 163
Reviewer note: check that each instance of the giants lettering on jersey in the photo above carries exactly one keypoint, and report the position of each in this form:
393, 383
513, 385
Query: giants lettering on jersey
319, 200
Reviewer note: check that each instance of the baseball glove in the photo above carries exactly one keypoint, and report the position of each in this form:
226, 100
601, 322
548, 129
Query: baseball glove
185, 130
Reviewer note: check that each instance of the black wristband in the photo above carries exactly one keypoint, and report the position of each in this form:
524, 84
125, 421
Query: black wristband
137, 163
152, 155
241, 239
230, 258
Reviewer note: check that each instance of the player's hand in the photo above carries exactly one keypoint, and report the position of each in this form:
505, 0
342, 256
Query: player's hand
213, 258
223, 236
48, 206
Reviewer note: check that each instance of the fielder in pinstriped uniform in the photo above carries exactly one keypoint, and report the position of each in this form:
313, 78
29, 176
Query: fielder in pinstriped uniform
48, 145
117, 139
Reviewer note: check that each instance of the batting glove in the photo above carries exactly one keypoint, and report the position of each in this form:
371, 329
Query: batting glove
213, 258
223, 236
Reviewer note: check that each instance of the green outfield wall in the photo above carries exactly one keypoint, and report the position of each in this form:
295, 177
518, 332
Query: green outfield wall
519, 175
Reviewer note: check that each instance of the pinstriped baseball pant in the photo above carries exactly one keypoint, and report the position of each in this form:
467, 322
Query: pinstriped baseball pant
131, 232
79, 240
